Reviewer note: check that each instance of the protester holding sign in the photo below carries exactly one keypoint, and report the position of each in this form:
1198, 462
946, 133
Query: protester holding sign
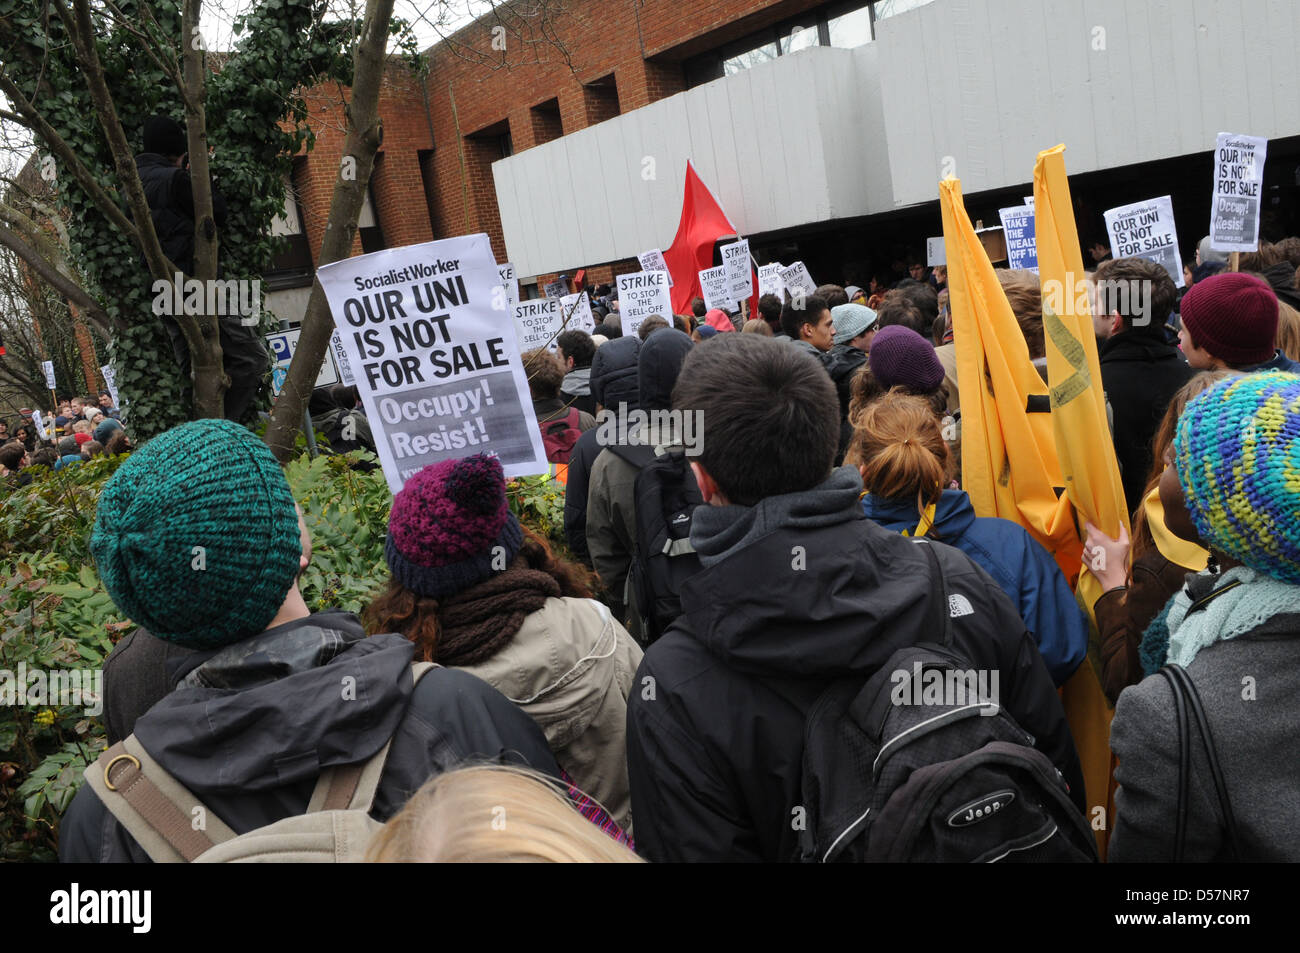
437, 365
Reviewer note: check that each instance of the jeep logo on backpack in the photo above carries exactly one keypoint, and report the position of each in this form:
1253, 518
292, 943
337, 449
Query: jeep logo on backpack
980, 810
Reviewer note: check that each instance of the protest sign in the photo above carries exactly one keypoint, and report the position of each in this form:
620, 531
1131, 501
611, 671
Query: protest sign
740, 279
557, 288
1022, 246
438, 367
340, 355
509, 281
1029, 200
1238, 180
796, 278
770, 281
653, 260
283, 344
713, 288
575, 313
110, 382
537, 322
934, 252
44, 427
48, 367
1146, 230
642, 294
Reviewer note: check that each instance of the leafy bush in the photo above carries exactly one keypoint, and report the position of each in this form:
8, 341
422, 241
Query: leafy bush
55, 614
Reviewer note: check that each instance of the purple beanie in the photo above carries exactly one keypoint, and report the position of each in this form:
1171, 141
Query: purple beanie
446, 523
900, 356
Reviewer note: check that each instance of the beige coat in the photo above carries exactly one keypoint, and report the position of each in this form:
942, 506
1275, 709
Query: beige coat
571, 667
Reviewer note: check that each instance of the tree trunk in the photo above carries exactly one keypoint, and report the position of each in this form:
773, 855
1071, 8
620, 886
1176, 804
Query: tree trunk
364, 137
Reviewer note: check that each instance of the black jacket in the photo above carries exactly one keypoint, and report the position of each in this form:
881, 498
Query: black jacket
844, 361
250, 728
813, 593
613, 386
1140, 374
170, 195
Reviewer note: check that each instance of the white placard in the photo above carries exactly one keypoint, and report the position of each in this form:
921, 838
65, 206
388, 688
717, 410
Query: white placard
642, 294
653, 260
510, 281
796, 277
1146, 230
1238, 182
557, 288
537, 323
283, 345
1022, 241
575, 313
934, 252
740, 277
713, 288
340, 355
438, 367
110, 381
43, 427
770, 281
48, 367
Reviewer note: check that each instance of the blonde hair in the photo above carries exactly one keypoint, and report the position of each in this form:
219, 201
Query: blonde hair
493, 814
1288, 330
900, 450
757, 326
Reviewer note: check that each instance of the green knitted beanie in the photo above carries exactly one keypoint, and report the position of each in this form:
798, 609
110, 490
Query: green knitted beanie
196, 535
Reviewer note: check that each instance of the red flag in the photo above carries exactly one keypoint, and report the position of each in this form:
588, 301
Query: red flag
703, 223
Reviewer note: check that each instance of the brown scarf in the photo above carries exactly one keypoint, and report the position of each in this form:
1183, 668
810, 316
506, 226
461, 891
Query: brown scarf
476, 624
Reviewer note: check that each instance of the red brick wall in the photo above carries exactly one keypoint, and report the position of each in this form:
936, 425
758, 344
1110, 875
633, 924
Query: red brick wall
472, 87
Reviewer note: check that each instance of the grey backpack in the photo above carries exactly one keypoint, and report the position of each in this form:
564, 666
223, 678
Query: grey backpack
173, 826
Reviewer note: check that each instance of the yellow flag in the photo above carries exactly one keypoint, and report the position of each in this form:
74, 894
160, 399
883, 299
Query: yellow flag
1084, 447
1083, 441
1009, 463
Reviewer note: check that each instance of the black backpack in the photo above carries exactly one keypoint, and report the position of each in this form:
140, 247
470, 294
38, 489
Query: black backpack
890, 774
663, 558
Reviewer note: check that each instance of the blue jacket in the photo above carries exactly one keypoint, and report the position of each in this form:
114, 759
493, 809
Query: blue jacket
1024, 570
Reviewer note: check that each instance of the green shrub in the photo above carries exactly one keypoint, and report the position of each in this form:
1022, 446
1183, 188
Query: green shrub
56, 615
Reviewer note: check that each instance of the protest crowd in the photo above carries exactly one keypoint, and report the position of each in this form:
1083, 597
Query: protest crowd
784, 624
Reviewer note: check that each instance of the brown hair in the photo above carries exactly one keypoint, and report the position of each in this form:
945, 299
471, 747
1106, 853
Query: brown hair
1142, 539
1289, 250
545, 373
1288, 330
398, 609
118, 443
865, 390
903, 456
1026, 299
1262, 260
1136, 287
90, 448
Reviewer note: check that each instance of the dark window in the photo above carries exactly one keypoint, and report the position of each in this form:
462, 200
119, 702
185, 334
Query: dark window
547, 126
600, 99
844, 24
372, 236
292, 267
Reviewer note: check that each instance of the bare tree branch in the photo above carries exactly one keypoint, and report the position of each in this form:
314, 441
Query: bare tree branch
56, 279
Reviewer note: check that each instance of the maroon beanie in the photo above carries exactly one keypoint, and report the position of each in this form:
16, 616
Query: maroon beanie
1234, 317
900, 356
445, 524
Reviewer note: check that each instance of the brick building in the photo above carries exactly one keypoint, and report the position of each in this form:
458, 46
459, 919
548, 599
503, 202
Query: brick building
822, 128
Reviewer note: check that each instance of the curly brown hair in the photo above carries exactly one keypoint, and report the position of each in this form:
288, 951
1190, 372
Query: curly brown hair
418, 618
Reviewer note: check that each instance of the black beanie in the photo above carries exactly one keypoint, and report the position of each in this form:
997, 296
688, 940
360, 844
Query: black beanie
165, 136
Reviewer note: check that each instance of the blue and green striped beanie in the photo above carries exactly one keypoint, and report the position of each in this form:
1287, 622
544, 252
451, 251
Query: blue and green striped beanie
196, 535
1237, 450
